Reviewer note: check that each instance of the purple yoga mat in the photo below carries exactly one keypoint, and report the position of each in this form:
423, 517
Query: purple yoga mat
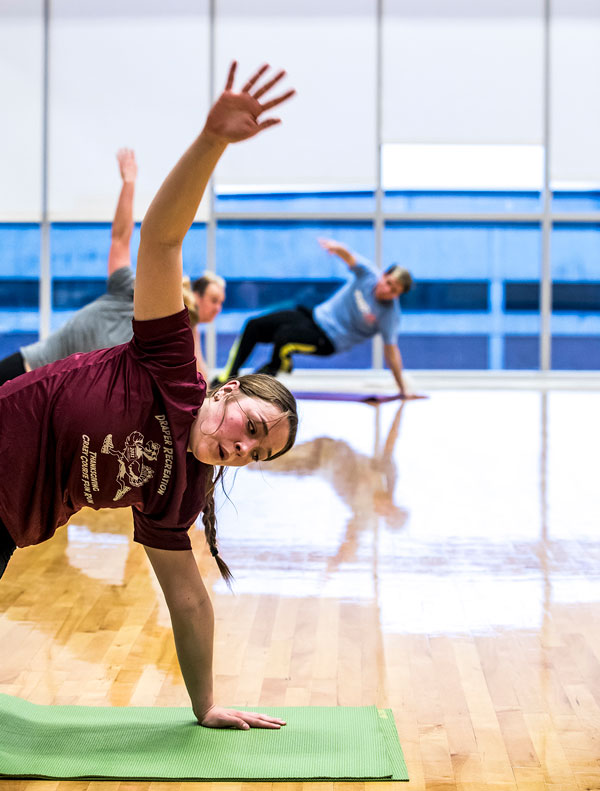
361, 398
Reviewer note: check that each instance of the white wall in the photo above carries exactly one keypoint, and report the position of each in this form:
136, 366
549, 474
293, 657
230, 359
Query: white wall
21, 40
463, 72
135, 73
328, 49
575, 104
130, 73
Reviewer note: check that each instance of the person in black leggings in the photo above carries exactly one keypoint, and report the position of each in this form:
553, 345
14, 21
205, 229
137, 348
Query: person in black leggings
366, 305
7, 547
11, 367
289, 331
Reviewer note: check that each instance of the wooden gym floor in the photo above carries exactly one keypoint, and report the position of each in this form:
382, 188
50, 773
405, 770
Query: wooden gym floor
441, 558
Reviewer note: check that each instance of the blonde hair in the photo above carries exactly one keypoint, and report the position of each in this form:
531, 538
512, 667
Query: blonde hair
402, 276
201, 284
265, 388
189, 301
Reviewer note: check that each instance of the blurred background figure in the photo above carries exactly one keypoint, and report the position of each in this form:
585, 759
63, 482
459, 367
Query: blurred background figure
366, 305
107, 320
204, 301
365, 483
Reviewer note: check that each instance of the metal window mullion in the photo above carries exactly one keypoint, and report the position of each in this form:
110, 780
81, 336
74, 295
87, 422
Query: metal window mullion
507, 218
376, 344
45, 281
546, 262
210, 336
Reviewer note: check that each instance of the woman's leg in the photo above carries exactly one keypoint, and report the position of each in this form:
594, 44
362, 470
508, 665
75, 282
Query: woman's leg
11, 367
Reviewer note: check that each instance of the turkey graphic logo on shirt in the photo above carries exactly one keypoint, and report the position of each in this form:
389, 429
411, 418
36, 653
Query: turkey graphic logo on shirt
131, 461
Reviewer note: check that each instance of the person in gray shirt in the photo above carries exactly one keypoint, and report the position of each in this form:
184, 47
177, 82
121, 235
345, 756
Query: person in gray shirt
107, 320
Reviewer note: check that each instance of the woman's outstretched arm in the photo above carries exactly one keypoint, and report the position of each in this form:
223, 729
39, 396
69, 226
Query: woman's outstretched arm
234, 117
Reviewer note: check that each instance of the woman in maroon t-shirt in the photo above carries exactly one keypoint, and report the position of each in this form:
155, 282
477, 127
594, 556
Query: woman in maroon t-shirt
130, 425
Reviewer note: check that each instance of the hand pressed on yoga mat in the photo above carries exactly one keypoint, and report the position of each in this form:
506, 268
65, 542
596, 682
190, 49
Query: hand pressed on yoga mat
217, 717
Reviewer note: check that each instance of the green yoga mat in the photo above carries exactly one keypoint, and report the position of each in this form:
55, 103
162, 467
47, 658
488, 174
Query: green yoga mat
318, 743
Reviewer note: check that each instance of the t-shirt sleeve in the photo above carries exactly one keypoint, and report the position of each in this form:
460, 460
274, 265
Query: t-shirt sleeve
121, 282
166, 346
363, 267
151, 533
389, 325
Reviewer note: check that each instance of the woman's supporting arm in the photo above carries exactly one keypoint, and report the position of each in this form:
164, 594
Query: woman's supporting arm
234, 117
192, 620
193, 628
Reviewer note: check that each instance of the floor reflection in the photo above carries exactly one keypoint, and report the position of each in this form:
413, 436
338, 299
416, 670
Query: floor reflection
366, 484
451, 529
455, 520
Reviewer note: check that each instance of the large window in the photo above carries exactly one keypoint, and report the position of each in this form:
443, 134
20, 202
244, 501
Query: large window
21, 36
417, 137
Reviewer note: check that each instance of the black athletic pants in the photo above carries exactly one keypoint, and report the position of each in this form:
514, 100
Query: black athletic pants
11, 367
7, 547
289, 331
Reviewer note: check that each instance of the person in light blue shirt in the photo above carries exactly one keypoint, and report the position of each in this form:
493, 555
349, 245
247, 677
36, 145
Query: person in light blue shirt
366, 305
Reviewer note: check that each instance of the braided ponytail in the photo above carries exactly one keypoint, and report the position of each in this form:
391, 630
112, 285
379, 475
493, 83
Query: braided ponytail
266, 388
209, 521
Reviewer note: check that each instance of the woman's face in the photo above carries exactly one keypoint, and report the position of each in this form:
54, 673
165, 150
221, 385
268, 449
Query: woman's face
232, 429
209, 304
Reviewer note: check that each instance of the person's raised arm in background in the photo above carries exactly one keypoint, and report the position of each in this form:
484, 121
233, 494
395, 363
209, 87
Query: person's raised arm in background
122, 226
337, 248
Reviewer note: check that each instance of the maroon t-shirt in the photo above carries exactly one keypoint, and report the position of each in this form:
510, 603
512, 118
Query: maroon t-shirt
107, 429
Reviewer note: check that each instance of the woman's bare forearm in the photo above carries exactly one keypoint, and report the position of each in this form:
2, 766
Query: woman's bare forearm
174, 207
193, 629
192, 619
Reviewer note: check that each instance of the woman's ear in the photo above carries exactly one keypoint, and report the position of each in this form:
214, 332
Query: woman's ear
227, 389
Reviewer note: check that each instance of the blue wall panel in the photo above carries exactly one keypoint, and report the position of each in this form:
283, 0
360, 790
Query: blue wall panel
475, 304
19, 250
394, 201
455, 352
350, 201
457, 201
463, 251
11, 342
252, 249
521, 352
576, 252
575, 354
